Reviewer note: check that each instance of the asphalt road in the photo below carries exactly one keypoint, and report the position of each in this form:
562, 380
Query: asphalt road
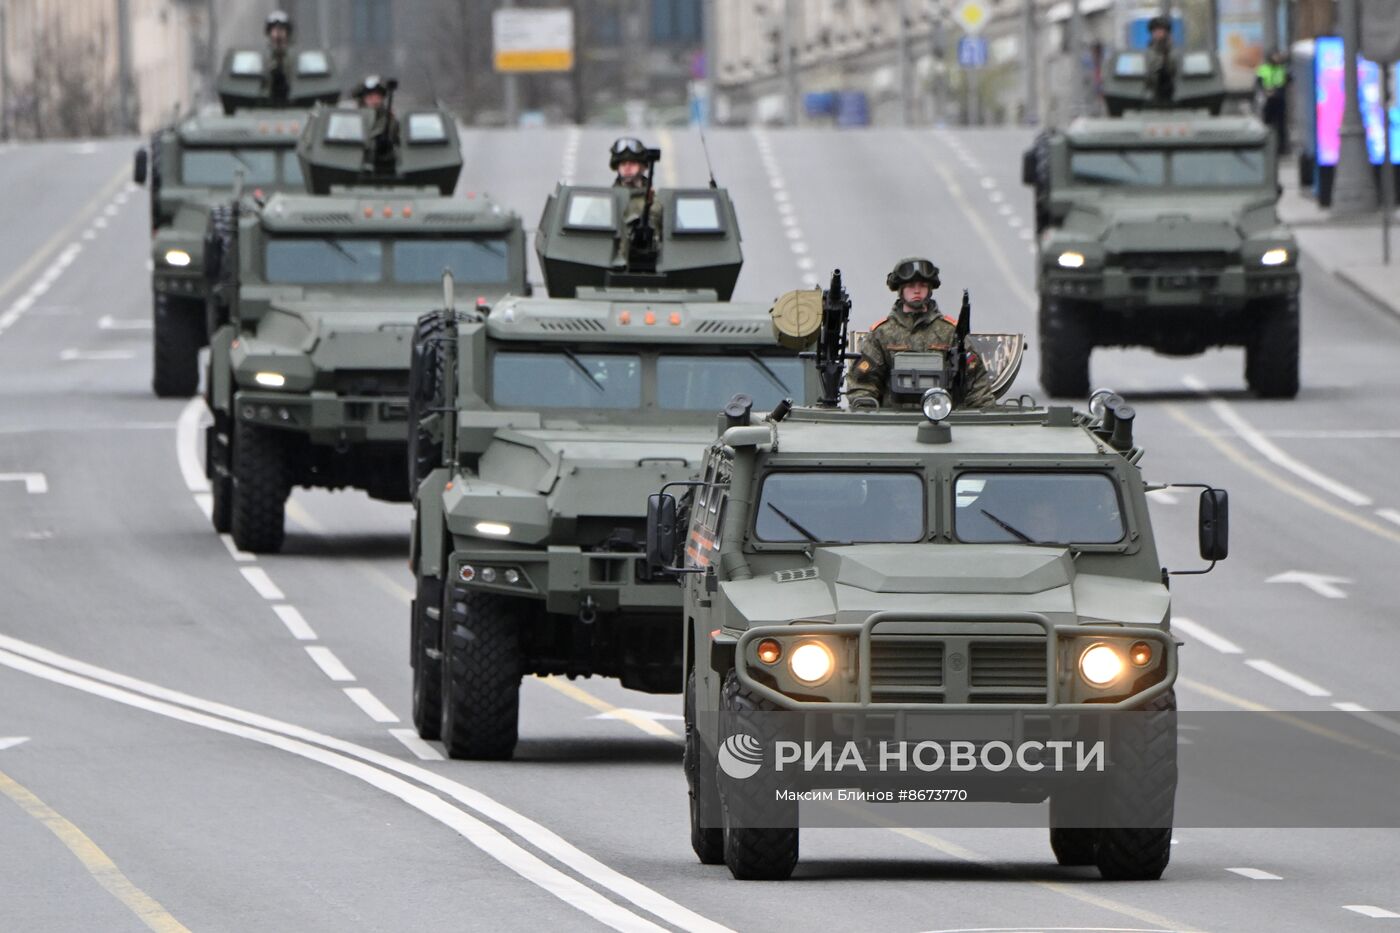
218, 742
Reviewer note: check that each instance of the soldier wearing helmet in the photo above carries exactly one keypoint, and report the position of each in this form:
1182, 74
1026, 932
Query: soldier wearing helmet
278, 29
376, 94
914, 325
1161, 70
634, 164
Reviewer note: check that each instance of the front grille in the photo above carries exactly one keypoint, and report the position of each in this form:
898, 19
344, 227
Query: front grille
910, 668
374, 383
1167, 262
1008, 663
905, 661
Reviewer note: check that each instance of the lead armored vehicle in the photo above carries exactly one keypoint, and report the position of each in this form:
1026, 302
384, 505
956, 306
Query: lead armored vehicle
912, 569
190, 168
1159, 228
542, 421
313, 302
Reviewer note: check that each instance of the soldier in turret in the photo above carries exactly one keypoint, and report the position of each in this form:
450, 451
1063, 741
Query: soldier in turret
634, 165
278, 29
914, 325
376, 93
1161, 70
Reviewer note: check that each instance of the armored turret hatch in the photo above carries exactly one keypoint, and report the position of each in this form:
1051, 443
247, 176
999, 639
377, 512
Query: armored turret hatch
586, 241
250, 78
1197, 84
339, 148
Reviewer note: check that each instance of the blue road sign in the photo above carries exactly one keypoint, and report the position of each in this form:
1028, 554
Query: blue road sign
972, 52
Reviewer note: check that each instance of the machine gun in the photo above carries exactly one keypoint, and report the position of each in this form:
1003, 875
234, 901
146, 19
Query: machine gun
383, 142
831, 352
279, 86
642, 246
959, 376
914, 373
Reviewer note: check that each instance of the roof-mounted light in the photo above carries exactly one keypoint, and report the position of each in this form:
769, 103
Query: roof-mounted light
937, 405
1098, 402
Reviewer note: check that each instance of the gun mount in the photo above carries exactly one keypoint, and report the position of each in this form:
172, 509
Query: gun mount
302, 78
1196, 83
340, 148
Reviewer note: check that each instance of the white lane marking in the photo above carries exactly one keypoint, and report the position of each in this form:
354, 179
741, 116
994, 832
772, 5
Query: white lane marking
798, 247
329, 664
39, 286
1320, 583
370, 704
233, 551
296, 624
415, 744
988, 182
205, 501
995, 196
100, 223
626, 715
1256, 874
72, 355
1390, 515
1375, 913
110, 210
570, 165
84, 149
1348, 707
36, 484
1301, 684
187, 431
1376, 719
1271, 451
12, 741
260, 581
1205, 636
89, 234
486, 838
537, 835
107, 322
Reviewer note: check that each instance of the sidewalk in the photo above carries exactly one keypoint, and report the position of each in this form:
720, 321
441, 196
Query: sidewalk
1349, 249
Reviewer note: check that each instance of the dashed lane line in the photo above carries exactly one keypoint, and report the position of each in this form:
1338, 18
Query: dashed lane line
260, 581
329, 664
297, 625
415, 744
1375, 913
74, 355
1287, 678
370, 704
187, 430
233, 551
1205, 636
1256, 874
98, 864
379, 770
631, 717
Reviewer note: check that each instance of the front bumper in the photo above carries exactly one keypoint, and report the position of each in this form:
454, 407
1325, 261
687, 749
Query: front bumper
325, 417
569, 580
1206, 288
181, 284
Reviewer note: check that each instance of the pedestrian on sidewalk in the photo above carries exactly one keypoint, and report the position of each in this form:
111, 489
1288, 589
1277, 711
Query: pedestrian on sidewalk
1271, 80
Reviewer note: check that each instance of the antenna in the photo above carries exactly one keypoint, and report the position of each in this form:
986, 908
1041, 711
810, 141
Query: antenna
449, 291
706, 148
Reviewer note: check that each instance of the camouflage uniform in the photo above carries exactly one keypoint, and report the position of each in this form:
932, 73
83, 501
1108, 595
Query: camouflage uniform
919, 333
1161, 71
632, 213
278, 84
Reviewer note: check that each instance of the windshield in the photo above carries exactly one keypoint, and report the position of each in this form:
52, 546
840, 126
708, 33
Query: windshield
216, 167
481, 260
1181, 168
1127, 168
696, 383
1037, 508
841, 507
566, 379
1218, 168
328, 261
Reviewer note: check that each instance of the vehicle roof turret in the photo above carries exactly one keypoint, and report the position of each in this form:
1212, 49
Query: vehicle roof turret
244, 129
337, 149
244, 80
1198, 84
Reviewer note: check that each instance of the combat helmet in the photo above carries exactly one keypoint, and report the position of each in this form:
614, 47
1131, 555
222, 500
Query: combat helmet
278, 18
628, 149
912, 269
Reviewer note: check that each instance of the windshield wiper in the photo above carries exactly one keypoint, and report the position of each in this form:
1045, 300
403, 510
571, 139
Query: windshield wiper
335, 245
578, 365
233, 153
768, 371
793, 522
1008, 528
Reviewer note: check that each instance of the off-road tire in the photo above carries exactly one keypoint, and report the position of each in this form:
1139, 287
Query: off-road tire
261, 484
1073, 845
1066, 339
177, 335
754, 853
427, 671
1041, 148
706, 835
220, 276
482, 666
221, 507
1271, 355
220, 482
1144, 783
427, 381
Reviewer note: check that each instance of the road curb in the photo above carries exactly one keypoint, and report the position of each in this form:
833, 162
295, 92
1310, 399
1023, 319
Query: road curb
1373, 296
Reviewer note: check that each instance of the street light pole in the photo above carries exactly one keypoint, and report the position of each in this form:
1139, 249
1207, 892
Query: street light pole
1353, 188
1076, 57
789, 65
510, 88
901, 38
1029, 62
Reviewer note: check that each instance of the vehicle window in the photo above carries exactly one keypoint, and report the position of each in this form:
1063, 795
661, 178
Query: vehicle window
476, 260
216, 166
841, 507
291, 170
697, 214
1218, 168
1122, 167
591, 211
326, 261
313, 63
246, 63
1037, 508
426, 128
700, 383
566, 380
1130, 65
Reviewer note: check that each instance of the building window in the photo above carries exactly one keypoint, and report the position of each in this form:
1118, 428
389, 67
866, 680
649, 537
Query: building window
371, 22
676, 21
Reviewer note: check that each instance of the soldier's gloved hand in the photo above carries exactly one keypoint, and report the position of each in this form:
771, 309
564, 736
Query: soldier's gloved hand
863, 403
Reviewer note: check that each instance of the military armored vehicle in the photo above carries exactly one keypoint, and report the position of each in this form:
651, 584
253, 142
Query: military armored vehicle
1159, 228
907, 567
190, 168
541, 423
312, 305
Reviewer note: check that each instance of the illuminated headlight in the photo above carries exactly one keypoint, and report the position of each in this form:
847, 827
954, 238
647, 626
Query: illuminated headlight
937, 405
177, 257
488, 574
1098, 402
1069, 259
1274, 257
494, 529
270, 380
812, 662
1101, 665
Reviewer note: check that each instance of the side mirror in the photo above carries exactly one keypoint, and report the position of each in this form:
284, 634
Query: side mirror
1028, 166
1214, 521
661, 530
138, 169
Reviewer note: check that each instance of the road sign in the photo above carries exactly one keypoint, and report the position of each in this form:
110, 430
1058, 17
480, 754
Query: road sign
971, 15
972, 52
537, 39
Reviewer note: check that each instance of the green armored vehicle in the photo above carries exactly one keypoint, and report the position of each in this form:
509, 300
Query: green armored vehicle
907, 568
1159, 228
313, 301
190, 168
541, 424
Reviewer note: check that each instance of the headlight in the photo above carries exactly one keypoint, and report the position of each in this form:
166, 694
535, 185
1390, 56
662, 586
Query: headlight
1069, 259
1100, 665
270, 380
177, 257
494, 529
1098, 402
812, 662
938, 404
1274, 257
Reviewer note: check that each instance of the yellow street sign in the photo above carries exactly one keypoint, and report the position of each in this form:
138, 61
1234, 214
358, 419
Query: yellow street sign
533, 38
971, 15
539, 60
